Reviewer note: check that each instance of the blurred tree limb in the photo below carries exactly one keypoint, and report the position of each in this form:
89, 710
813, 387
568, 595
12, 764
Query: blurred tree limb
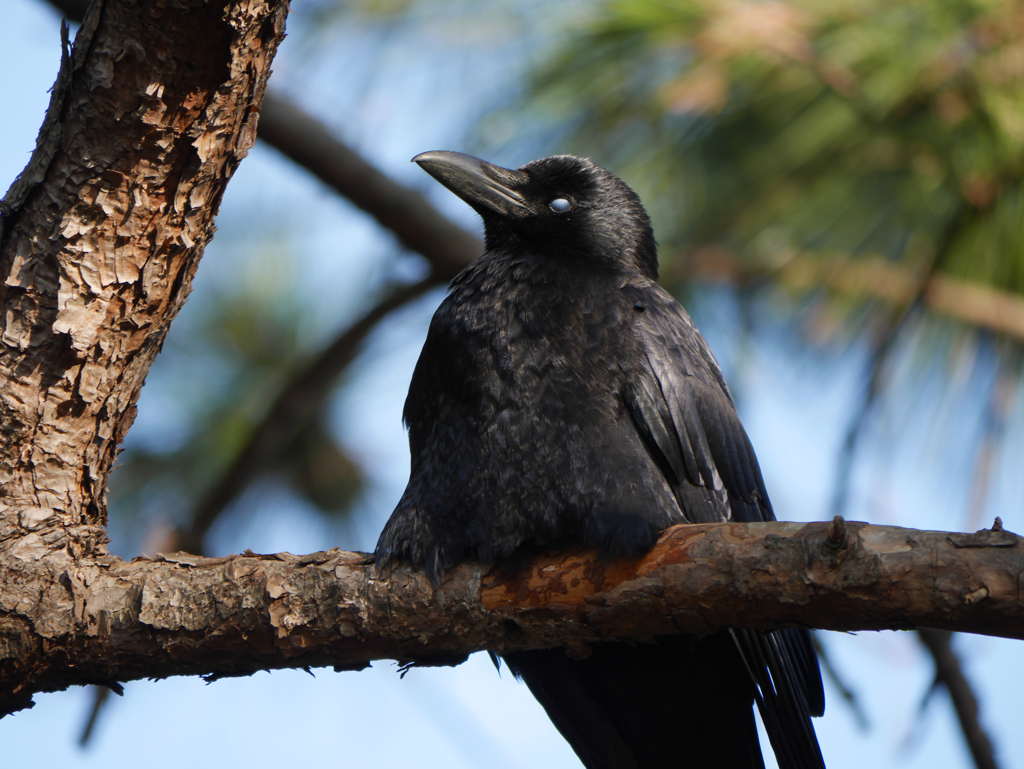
99, 619
298, 402
971, 303
949, 673
407, 214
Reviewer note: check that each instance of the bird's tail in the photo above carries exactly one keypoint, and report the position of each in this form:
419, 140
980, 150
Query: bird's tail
788, 691
681, 702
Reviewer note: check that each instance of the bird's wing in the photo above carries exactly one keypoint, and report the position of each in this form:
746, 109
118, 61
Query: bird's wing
682, 408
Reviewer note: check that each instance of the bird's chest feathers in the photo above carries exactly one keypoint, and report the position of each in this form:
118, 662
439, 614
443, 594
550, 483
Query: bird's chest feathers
535, 331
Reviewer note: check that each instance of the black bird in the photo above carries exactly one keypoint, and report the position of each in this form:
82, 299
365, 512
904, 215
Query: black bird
562, 399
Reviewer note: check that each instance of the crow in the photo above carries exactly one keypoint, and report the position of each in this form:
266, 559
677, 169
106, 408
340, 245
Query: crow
564, 399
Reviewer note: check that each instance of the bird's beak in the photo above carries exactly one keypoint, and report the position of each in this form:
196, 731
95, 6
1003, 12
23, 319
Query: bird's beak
476, 181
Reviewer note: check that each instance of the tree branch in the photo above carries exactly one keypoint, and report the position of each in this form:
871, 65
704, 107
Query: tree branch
949, 673
67, 620
971, 303
296, 404
405, 212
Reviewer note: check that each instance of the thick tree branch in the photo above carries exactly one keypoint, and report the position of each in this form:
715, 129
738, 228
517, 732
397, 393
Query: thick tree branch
73, 620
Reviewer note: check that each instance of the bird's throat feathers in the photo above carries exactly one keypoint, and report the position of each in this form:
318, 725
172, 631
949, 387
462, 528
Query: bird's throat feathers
617, 251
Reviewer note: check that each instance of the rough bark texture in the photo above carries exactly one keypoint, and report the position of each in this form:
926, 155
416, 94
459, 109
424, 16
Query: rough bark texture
100, 238
99, 619
152, 111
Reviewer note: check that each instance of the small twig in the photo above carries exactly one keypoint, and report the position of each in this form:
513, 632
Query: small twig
99, 700
949, 673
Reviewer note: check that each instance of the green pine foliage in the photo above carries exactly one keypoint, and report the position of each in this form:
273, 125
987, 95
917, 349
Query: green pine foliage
850, 130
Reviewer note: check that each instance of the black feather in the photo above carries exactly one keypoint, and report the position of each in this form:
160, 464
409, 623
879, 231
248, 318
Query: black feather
563, 398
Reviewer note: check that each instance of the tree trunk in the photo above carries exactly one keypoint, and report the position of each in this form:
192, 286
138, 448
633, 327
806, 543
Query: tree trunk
100, 238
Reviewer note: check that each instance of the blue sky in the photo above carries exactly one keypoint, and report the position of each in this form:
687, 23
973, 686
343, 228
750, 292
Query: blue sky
794, 404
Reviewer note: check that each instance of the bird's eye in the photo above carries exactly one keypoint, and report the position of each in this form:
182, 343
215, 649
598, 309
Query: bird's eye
560, 205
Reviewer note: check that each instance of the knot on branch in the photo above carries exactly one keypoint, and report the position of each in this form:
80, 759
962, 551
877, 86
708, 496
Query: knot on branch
837, 535
997, 536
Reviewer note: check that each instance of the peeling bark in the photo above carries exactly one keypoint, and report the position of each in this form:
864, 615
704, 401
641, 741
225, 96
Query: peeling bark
151, 113
100, 237
70, 620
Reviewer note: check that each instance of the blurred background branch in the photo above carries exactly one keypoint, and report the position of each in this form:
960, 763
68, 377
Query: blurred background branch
949, 674
292, 412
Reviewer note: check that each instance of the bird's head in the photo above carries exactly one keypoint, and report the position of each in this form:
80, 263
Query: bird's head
559, 207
